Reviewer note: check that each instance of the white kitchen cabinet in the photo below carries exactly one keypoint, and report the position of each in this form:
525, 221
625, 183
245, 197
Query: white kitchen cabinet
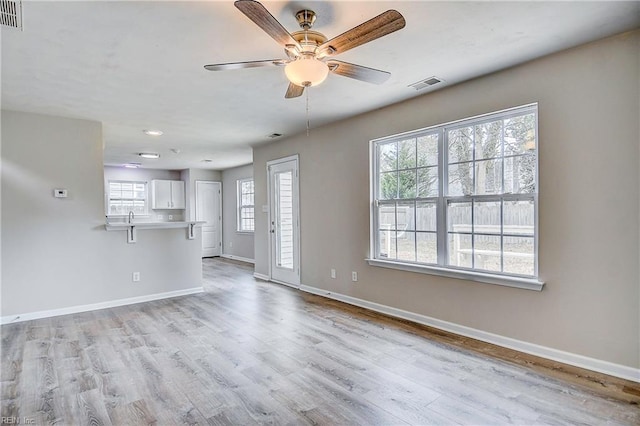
167, 194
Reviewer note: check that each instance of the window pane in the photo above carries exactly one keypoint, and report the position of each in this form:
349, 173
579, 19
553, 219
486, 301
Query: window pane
486, 253
519, 255
460, 250
426, 216
488, 177
486, 217
428, 182
387, 244
460, 179
460, 144
519, 134
407, 187
387, 157
406, 216
388, 185
427, 247
387, 217
520, 174
519, 217
488, 141
407, 154
428, 150
459, 217
407, 246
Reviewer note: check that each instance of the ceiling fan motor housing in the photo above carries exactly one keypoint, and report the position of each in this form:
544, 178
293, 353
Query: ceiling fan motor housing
306, 18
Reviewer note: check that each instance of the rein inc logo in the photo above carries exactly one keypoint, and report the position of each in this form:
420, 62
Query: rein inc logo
17, 420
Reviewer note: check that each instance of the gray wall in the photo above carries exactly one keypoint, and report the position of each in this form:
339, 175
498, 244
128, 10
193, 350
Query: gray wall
588, 209
238, 244
55, 252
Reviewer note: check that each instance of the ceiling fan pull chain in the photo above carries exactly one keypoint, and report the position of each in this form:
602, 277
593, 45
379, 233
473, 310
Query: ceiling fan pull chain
307, 92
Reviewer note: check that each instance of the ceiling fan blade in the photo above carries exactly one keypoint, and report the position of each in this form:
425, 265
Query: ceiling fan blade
293, 91
377, 27
241, 65
370, 75
265, 20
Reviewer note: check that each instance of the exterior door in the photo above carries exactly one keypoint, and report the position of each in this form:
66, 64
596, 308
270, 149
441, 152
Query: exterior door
208, 210
284, 221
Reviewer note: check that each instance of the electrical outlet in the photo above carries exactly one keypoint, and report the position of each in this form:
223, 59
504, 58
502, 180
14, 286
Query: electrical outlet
170, 217
333, 273
135, 277
354, 276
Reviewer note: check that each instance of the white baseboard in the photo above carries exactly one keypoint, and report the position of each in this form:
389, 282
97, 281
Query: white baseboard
262, 277
95, 306
240, 258
576, 360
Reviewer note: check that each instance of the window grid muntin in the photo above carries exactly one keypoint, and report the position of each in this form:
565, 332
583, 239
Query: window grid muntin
126, 204
443, 200
245, 221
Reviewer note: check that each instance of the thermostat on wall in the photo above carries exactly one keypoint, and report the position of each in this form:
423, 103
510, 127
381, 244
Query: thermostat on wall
60, 193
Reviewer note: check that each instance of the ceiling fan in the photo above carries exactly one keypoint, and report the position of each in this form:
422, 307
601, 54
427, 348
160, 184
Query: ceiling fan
309, 53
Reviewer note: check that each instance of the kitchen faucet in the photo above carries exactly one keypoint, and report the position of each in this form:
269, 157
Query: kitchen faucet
131, 216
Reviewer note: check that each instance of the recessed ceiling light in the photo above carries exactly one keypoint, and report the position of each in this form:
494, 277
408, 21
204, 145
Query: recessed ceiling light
152, 132
152, 155
132, 165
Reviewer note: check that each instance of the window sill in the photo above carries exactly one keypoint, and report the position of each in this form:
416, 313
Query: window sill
517, 282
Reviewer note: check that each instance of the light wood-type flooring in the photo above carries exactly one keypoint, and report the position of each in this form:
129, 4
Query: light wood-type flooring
250, 352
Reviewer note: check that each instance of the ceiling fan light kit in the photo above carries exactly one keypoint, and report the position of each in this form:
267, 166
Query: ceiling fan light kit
308, 52
306, 71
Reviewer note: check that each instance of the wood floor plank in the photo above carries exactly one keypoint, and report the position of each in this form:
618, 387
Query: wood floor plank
250, 352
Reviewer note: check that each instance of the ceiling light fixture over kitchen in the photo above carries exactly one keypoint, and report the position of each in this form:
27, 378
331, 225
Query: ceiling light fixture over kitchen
151, 155
152, 132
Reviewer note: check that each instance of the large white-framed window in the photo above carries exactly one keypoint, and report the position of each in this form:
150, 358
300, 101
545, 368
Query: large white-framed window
246, 209
127, 196
460, 199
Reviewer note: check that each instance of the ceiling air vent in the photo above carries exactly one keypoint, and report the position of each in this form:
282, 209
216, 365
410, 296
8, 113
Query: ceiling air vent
11, 13
427, 82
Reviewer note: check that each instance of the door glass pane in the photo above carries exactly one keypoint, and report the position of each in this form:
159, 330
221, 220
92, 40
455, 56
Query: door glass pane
284, 219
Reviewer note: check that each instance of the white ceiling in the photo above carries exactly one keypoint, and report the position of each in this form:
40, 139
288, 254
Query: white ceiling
139, 65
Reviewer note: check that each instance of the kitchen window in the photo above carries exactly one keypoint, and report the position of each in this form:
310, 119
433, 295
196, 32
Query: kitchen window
127, 196
460, 199
246, 210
